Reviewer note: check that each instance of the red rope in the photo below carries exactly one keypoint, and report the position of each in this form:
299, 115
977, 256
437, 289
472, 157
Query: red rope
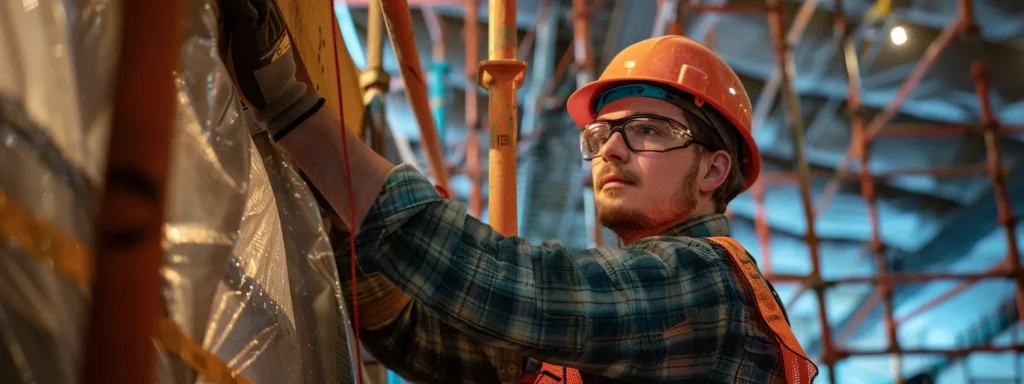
351, 196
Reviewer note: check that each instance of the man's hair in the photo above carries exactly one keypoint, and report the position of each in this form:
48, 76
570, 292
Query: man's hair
711, 135
734, 182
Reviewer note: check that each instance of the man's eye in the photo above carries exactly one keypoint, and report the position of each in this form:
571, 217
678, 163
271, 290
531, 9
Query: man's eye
648, 130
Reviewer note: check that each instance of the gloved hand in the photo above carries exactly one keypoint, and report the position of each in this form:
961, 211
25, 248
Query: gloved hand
257, 51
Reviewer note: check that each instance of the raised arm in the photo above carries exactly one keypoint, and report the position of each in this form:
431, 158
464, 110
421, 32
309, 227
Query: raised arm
619, 314
255, 47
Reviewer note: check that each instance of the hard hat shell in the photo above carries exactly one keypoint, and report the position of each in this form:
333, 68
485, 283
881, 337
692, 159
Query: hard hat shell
686, 65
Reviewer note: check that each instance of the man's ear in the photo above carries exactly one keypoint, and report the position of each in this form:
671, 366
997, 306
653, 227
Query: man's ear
716, 171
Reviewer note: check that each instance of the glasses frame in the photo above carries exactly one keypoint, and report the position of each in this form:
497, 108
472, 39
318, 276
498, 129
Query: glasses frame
618, 124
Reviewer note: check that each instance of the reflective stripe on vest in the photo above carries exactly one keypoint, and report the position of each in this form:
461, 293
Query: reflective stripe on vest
798, 368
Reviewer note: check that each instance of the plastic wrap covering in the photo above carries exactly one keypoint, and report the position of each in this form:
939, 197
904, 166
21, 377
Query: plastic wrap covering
41, 312
324, 331
38, 70
209, 189
270, 311
45, 170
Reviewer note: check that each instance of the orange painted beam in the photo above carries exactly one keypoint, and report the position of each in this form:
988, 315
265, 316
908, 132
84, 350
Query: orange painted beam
502, 74
126, 302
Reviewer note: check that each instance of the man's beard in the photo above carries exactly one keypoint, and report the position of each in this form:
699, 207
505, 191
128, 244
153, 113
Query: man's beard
630, 222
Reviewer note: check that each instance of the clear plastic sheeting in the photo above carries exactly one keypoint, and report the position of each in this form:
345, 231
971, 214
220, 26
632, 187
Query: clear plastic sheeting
49, 173
252, 320
209, 188
320, 317
41, 312
94, 37
249, 273
269, 308
37, 69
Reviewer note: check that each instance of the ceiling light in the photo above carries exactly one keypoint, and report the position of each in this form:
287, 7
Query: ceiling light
898, 35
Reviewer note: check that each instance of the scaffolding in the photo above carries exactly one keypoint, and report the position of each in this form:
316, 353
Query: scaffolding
670, 21
502, 74
862, 136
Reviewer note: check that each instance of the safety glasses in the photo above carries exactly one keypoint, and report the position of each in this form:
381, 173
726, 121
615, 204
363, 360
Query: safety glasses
641, 133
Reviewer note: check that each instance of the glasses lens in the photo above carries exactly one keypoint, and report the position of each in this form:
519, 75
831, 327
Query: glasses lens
649, 134
593, 136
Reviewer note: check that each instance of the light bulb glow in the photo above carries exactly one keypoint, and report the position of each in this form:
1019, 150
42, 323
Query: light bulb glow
898, 35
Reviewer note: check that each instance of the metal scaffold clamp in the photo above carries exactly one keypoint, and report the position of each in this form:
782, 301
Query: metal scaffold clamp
815, 283
375, 78
500, 71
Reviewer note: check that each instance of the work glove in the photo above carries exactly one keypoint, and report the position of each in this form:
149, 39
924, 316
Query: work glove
257, 52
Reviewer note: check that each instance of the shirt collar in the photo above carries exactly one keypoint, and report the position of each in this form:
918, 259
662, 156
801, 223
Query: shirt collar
709, 225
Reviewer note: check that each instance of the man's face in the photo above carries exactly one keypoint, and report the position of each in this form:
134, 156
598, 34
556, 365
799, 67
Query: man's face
643, 193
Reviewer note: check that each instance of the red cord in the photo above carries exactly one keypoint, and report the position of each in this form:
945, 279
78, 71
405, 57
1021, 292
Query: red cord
351, 197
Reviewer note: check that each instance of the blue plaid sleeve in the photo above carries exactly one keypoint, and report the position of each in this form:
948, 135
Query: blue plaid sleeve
652, 311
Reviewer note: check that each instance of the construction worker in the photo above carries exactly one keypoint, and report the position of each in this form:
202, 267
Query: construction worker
445, 298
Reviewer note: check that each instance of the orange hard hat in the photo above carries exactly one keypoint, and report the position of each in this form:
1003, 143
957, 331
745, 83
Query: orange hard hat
683, 64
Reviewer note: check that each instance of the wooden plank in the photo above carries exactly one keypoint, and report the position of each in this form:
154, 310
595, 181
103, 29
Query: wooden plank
309, 22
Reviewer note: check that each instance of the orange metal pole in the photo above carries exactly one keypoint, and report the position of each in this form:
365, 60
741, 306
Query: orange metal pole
862, 150
771, 88
931, 54
502, 75
794, 117
585, 74
126, 288
990, 127
399, 25
470, 31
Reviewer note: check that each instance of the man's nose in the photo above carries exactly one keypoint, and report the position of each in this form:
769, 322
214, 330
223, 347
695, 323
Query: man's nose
615, 149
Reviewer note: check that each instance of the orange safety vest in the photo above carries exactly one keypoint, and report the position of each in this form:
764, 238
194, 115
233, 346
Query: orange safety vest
798, 368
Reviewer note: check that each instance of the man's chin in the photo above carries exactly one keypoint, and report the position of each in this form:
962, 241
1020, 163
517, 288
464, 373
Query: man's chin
618, 216
614, 193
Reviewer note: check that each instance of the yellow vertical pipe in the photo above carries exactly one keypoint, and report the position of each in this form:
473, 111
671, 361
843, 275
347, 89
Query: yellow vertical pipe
476, 201
375, 37
502, 75
399, 25
374, 80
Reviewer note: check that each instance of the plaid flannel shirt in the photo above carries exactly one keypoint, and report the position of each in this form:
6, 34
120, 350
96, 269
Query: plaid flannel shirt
665, 309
